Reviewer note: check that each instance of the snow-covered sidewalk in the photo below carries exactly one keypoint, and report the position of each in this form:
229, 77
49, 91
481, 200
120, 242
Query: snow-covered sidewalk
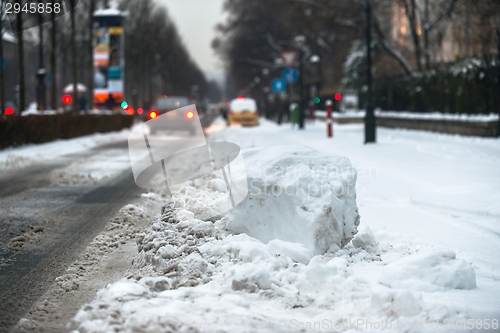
425, 258
27, 155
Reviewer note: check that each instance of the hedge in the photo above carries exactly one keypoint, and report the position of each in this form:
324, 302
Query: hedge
469, 86
16, 131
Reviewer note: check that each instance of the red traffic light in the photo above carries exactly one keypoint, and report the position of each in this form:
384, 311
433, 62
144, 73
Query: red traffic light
67, 99
140, 110
189, 114
9, 111
337, 97
153, 114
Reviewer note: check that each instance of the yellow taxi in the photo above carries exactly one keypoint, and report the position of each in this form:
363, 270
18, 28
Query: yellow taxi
243, 111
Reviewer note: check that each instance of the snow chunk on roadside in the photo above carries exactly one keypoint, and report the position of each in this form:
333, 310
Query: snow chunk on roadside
365, 239
125, 288
297, 195
294, 251
429, 271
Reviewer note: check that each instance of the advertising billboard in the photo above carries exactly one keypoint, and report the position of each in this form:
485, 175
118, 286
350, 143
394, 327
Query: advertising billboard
108, 59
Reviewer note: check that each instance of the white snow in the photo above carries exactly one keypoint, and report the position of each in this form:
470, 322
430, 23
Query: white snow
429, 271
365, 239
35, 112
299, 195
415, 115
31, 154
426, 253
109, 12
246, 104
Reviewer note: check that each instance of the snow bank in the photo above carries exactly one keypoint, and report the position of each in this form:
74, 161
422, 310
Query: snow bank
30, 154
429, 271
297, 195
193, 276
415, 115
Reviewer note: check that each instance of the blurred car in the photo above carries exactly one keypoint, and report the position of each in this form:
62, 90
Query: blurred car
243, 111
176, 121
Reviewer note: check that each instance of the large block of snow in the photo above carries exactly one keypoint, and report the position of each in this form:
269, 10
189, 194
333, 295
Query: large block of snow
298, 195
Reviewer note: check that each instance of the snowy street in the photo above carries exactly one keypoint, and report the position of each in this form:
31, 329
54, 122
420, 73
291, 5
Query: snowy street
52, 206
55, 198
232, 166
424, 259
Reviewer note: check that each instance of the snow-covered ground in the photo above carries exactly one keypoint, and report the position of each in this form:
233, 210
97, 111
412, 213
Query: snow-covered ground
36, 153
88, 170
425, 257
415, 115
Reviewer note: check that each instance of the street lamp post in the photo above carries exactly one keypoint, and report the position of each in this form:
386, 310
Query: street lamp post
299, 43
302, 114
41, 71
498, 46
265, 74
370, 121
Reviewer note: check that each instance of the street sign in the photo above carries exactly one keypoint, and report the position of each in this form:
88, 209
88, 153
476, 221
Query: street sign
279, 85
289, 57
290, 75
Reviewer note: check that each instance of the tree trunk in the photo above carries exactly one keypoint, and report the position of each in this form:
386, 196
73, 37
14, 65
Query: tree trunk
498, 81
73, 57
425, 29
20, 55
415, 33
90, 84
2, 93
53, 62
410, 8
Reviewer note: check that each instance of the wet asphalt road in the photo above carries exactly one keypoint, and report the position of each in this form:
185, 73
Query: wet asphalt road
63, 220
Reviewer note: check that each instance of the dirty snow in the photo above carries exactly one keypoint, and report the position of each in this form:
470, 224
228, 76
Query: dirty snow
195, 276
425, 256
93, 170
105, 260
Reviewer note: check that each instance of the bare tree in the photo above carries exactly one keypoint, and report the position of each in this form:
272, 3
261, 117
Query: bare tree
53, 62
74, 61
20, 51
428, 22
157, 61
2, 90
90, 55
410, 7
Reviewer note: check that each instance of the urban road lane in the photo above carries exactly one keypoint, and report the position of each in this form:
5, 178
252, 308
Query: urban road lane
44, 227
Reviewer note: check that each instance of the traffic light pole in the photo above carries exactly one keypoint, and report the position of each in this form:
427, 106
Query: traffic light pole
302, 113
370, 121
41, 72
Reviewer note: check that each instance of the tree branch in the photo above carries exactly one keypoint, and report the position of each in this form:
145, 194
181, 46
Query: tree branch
261, 63
443, 13
389, 49
275, 46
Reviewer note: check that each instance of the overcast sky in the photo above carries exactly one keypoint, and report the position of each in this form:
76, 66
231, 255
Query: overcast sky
195, 20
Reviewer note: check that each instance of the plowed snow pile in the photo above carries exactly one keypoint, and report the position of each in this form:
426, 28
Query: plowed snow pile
198, 276
298, 195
